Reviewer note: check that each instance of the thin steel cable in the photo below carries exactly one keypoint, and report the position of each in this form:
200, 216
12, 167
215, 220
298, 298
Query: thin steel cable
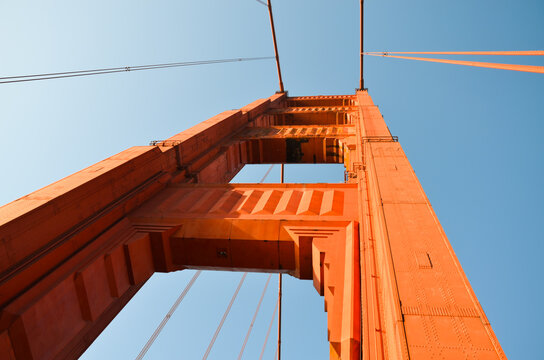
505, 53
266, 174
129, 68
168, 316
269, 328
123, 68
254, 317
514, 67
261, 2
66, 74
278, 348
264, 290
224, 318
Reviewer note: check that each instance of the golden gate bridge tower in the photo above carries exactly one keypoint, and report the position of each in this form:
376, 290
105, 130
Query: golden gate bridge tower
74, 253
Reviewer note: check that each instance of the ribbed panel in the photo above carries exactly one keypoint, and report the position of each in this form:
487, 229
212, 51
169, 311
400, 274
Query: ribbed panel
260, 200
297, 131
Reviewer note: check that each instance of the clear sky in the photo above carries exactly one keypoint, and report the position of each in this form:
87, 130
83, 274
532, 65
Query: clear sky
472, 135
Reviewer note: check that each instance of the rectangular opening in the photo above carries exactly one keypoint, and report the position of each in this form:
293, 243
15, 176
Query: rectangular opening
294, 173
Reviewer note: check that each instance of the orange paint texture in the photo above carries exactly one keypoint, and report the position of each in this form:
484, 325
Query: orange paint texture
75, 252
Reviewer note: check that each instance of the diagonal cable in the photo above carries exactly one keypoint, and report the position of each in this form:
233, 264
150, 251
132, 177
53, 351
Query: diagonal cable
67, 74
254, 317
266, 174
224, 318
269, 328
168, 316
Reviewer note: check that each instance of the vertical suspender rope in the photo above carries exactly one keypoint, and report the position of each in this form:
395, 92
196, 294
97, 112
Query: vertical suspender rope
275, 44
279, 317
269, 329
278, 349
254, 317
168, 316
224, 318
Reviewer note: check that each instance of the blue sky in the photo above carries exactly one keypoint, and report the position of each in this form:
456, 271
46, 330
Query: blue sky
472, 135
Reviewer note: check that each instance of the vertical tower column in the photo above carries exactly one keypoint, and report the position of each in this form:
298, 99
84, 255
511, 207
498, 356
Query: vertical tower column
416, 300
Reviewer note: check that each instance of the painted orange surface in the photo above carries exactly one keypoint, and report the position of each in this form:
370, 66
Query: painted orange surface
73, 253
514, 67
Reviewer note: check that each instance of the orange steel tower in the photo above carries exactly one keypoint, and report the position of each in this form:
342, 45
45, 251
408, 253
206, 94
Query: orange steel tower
73, 253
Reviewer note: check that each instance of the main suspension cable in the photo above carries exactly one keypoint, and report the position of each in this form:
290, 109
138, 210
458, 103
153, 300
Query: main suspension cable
514, 67
224, 318
275, 45
504, 53
254, 317
66, 74
269, 329
362, 25
168, 316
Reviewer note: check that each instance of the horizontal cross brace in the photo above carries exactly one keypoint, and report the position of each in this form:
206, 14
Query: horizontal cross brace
297, 132
313, 109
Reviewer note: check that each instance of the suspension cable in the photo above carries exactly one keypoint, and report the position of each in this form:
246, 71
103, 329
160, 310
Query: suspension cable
262, 2
275, 45
269, 328
504, 53
514, 67
66, 74
224, 317
254, 317
278, 348
168, 316
362, 21
266, 174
